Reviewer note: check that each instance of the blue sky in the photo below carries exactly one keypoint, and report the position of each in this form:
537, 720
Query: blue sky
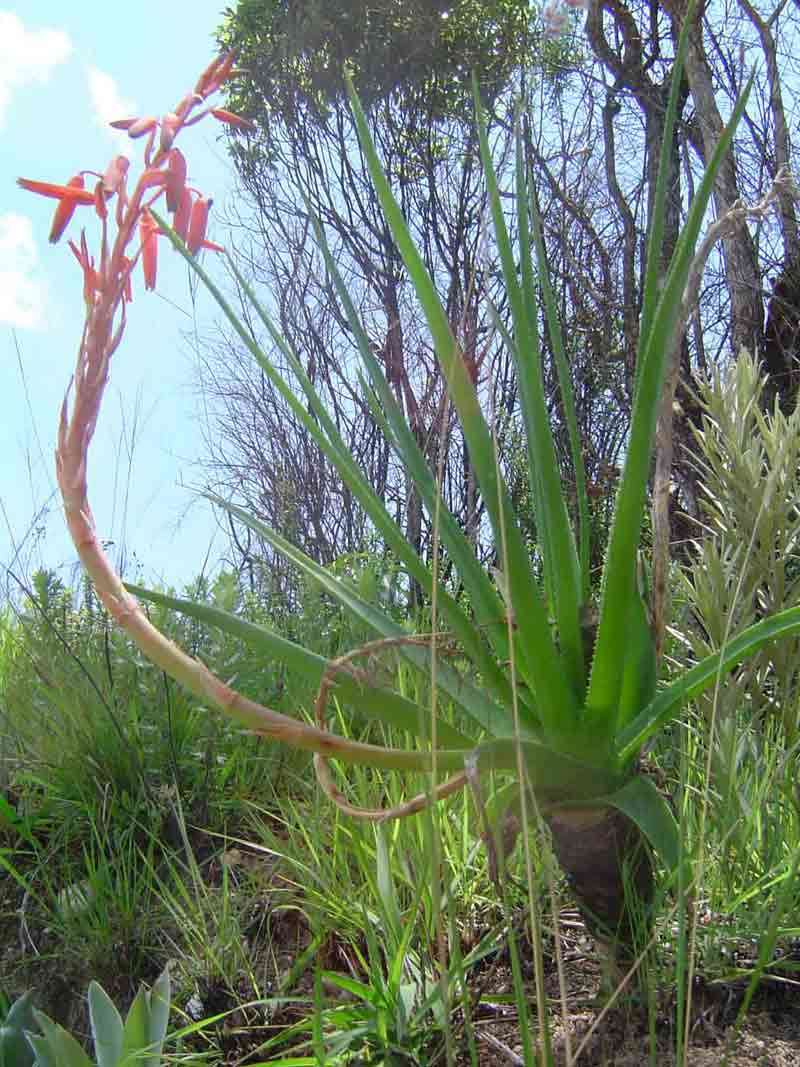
65, 71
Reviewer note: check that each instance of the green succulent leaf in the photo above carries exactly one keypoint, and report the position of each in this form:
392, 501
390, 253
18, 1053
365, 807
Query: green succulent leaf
562, 577
656, 343
644, 805
641, 670
136, 1033
539, 663
553, 776
15, 1050
56, 1047
702, 676
107, 1028
158, 1002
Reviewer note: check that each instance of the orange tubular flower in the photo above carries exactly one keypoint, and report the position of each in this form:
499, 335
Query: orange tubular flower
198, 223
148, 232
180, 222
68, 196
230, 119
216, 74
139, 127
176, 178
170, 124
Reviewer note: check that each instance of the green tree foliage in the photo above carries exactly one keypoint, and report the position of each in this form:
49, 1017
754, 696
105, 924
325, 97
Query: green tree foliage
295, 53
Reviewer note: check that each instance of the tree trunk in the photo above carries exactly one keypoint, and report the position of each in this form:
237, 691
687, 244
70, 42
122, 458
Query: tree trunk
610, 870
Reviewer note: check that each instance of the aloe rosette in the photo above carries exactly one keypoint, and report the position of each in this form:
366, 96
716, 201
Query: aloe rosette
566, 706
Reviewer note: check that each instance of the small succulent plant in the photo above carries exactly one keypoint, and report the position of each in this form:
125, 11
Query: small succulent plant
138, 1040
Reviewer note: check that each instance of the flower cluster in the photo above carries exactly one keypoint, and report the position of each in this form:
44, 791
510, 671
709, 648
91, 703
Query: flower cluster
555, 15
129, 232
165, 172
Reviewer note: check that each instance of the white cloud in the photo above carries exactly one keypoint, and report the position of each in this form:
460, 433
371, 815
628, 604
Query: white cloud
22, 293
109, 104
27, 56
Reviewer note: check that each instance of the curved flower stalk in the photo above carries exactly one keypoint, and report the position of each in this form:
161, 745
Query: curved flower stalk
581, 699
129, 233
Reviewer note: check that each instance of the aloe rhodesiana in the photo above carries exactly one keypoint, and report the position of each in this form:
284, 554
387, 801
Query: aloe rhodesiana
572, 714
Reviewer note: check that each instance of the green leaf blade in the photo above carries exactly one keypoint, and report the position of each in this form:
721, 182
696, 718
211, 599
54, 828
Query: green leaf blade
107, 1027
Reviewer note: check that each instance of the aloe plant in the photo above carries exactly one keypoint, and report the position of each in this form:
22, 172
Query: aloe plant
138, 1041
565, 703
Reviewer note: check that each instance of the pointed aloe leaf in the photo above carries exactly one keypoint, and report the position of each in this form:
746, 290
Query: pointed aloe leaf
488, 611
641, 670
136, 1032
558, 544
56, 1047
540, 664
560, 560
15, 1051
567, 395
374, 702
106, 1027
644, 805
619, 573
702, 676
325, 432
553, 776
158, 1002
478, 705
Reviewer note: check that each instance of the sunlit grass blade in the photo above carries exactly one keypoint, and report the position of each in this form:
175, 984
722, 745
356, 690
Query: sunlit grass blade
540, 664
619, 574
376, 702
700, 677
